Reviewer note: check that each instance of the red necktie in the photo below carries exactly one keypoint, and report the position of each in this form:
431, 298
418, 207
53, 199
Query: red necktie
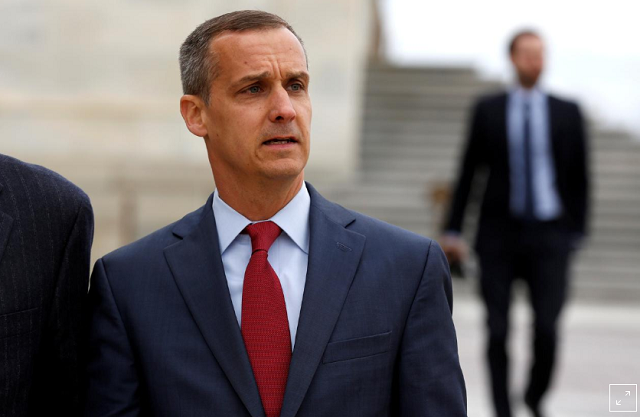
265, 327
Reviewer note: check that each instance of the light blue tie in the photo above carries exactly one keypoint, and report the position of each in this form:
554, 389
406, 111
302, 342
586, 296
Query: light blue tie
528, 213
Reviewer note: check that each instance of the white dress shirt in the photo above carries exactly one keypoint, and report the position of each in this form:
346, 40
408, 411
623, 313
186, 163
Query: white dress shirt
289, 254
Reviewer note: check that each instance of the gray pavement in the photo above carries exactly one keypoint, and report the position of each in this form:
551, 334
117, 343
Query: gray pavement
600, 346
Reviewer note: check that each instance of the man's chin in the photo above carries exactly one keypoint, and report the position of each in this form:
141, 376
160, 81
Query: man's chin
284, 172
529, 81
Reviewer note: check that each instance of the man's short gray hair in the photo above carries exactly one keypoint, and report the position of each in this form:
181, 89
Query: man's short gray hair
199, 65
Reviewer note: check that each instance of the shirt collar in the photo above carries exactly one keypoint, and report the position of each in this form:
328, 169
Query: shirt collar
293, 219
521, 94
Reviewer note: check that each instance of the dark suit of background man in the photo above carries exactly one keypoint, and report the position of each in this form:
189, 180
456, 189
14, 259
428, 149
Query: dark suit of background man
533, 212
269, 300
46, 228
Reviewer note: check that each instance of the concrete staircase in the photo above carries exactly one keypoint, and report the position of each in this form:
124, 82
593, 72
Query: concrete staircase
412, 135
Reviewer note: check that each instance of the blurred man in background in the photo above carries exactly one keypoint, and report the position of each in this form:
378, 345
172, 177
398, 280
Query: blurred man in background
533, 214
46, 229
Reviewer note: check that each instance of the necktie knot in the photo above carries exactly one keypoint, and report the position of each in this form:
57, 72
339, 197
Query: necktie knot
262, 235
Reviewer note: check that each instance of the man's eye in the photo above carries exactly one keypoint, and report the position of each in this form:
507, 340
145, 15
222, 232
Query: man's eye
253, 89
296, 87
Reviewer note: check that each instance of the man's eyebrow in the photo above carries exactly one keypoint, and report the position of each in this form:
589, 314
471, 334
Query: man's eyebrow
252, 77
303, 75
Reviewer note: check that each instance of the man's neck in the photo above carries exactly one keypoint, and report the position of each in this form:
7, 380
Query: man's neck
527, 86
259, 200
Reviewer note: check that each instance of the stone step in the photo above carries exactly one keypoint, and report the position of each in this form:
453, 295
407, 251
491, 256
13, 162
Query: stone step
443, 133
415, 115
608, 201
424, 125
442, 164
602, 162
592, 253
416, 208
445, 146
413, 101
424, 145
429, 178
446, 85
446, 167
440, 76
431, 71
600, 238
624, 275
627, 267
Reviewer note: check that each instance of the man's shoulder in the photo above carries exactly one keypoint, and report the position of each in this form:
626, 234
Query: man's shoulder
148, 248
386, 246
380, 235
498, 99
490, 99
377, 229
563, 102
39, 186
373, 229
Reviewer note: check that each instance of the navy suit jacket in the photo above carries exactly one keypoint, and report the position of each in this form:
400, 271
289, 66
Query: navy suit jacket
375, 336
487, 147
46, 228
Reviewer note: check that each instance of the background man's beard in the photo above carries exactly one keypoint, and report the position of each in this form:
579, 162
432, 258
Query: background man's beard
527, 81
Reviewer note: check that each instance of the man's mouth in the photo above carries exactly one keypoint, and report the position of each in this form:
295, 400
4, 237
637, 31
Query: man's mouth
280, 141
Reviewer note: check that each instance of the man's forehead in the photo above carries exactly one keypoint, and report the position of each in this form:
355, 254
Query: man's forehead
258, 54
529, 42
249, 42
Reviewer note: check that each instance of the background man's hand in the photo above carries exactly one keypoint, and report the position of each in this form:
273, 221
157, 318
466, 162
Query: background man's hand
454, 248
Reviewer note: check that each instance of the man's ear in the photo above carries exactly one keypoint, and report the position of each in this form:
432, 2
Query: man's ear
191, 108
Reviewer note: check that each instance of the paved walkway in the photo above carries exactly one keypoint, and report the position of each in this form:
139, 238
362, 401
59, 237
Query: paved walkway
600, 346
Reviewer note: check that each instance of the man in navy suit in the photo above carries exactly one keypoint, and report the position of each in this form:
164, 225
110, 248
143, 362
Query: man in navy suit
269, 300
534, 211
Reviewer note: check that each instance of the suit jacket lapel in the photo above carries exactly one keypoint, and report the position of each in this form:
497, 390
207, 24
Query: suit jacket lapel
554, 135
6, 222
503, 130
334, 255
197, 268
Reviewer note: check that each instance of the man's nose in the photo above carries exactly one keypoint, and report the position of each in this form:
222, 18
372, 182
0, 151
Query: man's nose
282, 110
